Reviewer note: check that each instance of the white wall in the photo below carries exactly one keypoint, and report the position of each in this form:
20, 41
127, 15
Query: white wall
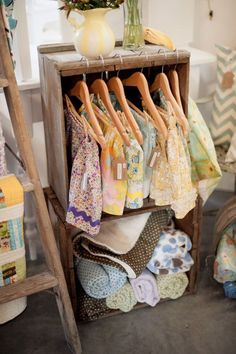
174, 17
221, 29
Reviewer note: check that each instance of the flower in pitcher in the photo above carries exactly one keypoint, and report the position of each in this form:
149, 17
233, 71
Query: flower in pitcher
84, 5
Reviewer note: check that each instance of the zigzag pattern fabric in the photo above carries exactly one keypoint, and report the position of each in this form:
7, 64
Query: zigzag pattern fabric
223, 124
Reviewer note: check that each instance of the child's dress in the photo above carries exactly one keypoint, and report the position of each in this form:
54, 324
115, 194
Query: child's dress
85, 194
171, 179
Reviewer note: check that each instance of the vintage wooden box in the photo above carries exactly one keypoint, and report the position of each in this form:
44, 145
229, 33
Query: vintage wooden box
61, 67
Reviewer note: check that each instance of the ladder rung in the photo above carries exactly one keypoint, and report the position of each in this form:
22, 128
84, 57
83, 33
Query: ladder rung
28, 286
3, 82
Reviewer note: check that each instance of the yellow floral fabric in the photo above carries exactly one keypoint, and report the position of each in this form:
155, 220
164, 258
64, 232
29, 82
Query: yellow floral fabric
113, 191
171, 180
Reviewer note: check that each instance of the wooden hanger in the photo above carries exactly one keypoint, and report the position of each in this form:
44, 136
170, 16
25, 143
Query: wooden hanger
81, 91
80, 119
144, 115
174, 84
100, 88
161, 82
115, 85
139, 80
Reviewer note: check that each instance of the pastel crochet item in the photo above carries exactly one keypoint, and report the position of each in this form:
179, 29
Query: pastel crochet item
230, 289
99, 281
123, 300
172, 285
145, 288
171, 254
225, 262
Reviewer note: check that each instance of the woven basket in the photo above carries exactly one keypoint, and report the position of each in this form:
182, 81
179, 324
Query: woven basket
12, 249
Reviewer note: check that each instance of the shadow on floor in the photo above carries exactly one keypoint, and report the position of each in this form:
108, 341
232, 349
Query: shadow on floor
198, 324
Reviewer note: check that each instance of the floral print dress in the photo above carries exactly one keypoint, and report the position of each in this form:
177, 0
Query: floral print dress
171, 180
85, 194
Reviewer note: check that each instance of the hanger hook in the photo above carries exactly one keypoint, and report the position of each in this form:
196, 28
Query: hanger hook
177, 58
103, 64
146, 57
163, 65
141, 53
87, 66
121, 61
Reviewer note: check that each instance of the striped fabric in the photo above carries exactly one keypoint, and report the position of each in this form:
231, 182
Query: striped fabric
223, 124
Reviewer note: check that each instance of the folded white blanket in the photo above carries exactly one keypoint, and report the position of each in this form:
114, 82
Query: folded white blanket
120, 236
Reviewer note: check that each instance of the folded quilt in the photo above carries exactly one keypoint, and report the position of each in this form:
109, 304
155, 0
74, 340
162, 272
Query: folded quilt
171, 254
119, 236
145, 288
225, 262
135, 261
124, 299
99, 281
172, 285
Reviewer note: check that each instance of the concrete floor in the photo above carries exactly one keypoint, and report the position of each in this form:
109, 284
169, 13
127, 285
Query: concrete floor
201, 324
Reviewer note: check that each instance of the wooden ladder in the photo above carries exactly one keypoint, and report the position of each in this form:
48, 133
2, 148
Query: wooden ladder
54, 277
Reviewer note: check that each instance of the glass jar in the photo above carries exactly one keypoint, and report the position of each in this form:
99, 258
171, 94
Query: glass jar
133, 31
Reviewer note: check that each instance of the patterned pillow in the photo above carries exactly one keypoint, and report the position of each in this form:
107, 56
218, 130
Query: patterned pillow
223, 124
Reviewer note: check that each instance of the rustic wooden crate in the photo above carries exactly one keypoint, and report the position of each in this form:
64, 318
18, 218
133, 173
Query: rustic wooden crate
61, 67
65, 233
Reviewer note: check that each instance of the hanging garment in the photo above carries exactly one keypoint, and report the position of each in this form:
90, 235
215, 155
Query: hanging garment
145, 288
125, 233
99, 281
85, 194
149, 143
135, 261
205, 170
135, 172
135, 168
171, 254
171, 179
123, 300
113, 190
225, 262
172, 286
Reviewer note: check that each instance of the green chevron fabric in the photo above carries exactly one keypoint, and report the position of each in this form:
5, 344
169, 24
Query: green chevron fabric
223, 123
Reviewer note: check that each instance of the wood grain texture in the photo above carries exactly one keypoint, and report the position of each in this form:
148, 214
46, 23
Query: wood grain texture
28, 286
53, 116
44, 224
